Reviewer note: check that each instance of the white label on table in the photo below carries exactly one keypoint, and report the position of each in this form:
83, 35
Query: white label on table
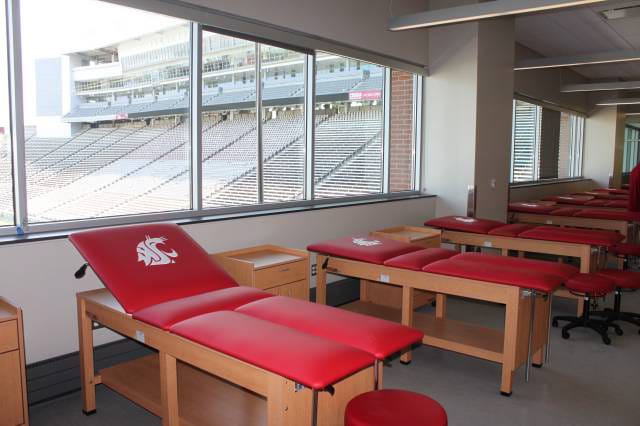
487, 244
384, 278
139, 336
549, 222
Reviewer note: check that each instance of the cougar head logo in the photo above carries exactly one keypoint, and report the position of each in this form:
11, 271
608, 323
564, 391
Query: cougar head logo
465, 219
364, 242
152, 255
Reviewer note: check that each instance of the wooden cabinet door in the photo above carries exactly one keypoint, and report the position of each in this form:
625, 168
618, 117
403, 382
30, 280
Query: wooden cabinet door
10, 390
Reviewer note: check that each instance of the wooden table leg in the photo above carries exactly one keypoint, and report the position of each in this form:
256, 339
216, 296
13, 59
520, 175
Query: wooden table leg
87, 371
407, 318
287, 406
321, 281
441, 306
169, 390
364, 290
510, 348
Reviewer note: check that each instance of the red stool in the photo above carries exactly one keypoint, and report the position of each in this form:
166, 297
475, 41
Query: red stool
392, 407
624, 281
588, 286
626, 251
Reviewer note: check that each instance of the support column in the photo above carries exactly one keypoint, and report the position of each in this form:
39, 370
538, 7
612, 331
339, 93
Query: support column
604, 146
468, 115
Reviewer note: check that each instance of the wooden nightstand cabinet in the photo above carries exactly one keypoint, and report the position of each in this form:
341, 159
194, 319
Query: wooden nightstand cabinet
278, 270
13, 392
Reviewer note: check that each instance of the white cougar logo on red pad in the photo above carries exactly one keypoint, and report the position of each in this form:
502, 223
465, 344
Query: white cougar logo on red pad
364, 242
152, 255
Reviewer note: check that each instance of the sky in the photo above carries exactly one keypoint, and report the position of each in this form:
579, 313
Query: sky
51, 28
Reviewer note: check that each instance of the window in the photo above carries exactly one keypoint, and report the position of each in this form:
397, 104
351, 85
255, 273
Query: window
283, 136
349, 128
6, 172
546, 143
631, 152
110, 122
229, 126
98, 148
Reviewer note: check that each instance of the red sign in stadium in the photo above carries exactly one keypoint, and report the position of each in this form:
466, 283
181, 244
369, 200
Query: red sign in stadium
365, 95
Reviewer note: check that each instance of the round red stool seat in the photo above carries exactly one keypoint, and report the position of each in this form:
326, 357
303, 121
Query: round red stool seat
622, 278
591, 284
393, 407
626, 249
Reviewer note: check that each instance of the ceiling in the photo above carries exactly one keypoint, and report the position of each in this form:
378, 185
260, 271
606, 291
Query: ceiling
571, 32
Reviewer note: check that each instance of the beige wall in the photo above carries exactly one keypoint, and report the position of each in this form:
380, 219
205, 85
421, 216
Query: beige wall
493, 120
39, 276
537, 192
450, 116
604, 142
361, 23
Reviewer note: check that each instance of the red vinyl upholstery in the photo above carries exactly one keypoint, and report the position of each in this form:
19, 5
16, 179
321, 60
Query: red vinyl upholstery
625, 279
574, 235
511, 230
164, 315
561, 270
626, 249
570, 199
565, 211
609, 214
531, 208
519, 276
143, 265
377, 337
393, 407
615, 191
309, 360
464, 224
598, 202
368, 249
592, 284
619, 204
418, 259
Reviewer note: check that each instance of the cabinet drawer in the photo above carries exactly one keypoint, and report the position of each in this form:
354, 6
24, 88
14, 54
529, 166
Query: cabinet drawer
8, 336
297, 290
281, 274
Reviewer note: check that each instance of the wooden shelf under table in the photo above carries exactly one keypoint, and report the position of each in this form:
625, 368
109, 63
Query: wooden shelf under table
204, 400
462, 337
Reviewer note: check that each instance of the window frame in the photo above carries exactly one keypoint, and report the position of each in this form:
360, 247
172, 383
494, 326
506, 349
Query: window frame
574, 132
260, 34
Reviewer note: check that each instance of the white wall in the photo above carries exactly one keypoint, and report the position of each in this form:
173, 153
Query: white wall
39, 276
361, 23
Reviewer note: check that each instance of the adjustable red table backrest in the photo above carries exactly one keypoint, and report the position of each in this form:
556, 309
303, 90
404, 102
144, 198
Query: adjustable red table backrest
143, 265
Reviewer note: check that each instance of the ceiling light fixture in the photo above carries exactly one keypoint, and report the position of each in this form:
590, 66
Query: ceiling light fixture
474, 12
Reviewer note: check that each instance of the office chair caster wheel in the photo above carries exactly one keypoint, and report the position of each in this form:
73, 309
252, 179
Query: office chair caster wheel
554, 323
565, 334
618, 331
606, 340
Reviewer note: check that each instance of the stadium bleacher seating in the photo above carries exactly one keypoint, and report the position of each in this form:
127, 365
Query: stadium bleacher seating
138, 166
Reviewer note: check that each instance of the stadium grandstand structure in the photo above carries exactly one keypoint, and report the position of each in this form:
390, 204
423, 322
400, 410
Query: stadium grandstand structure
128, 151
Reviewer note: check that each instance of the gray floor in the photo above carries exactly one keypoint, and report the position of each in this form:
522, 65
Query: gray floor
586, 383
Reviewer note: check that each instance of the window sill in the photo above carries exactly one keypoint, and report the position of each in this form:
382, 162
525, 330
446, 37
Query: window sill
546, 182
35, 236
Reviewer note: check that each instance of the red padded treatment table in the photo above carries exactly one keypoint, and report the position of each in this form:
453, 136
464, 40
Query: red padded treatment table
496, 272
309, 360
176, 266
464, 224
366, 248
574, 235
532, 208
335, 324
